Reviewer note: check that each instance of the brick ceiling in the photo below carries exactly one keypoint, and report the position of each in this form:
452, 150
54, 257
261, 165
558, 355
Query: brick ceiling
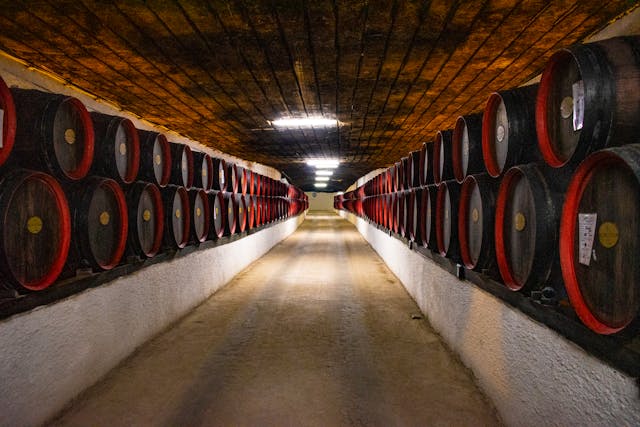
392, 73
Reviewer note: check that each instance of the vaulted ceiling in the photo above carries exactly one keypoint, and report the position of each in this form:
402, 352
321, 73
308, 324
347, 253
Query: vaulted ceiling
391, 72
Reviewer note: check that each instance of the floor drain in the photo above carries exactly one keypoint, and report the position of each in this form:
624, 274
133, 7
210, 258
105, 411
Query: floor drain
416, 316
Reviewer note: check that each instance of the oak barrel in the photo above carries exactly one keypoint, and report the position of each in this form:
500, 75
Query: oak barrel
36, 231
181, 165
216, 205
241, 213
426, 164
202, 171
117, 148
414, 169
230, 209
442, 156
427, 221
509, 129
145, 219
7, 122
177, 216
447, 201
250, 202
233, 180
219, 174
53, 133
600, 239
155, 158
200, 214
526, 226
588, 99
476, 216
467, 147
99, 223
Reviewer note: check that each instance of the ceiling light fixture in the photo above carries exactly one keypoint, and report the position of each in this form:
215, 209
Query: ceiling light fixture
321, 184
304, 122
324, 172
324, 163
322, 178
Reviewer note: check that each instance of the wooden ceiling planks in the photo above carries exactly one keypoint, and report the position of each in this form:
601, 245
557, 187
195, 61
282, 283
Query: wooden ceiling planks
392, 72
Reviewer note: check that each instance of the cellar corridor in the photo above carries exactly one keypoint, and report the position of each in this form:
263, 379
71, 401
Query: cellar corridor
317, 332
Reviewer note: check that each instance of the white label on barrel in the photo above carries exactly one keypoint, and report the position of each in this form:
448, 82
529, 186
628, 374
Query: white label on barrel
587, 230
578, 104
1, 128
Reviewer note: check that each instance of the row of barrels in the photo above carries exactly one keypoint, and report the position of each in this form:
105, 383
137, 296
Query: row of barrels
51, 229
56, 134
588, 99
87, 191
536, 229
537, 198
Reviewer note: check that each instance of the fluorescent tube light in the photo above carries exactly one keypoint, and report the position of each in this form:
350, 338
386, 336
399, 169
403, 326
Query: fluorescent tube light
321, 184
324, 163
304, 122
324, 172
322, 178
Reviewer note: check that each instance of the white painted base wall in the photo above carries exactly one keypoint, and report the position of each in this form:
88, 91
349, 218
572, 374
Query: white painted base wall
320, 201
52, 353
533, 375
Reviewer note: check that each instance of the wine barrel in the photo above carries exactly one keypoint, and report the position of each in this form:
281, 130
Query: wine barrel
53, 133
216, 204
427, 222
599, 239
155, 158
251, 211
467, 147
233, 181
588, 99
257, 206
258, 184
219, 174
267, 184
426, 164
509, 129
414, 169
200, 215
410, 214
177, 217
203, 171
415, 200
230, 207
36, 229
181, 165
476, 215
7, 122
447, 201
241, 176
526, 226
395, 212
398, 177
442, 157
390, 177
117, 148
99, 223
404, 214
405, 173
251, 182
145, 219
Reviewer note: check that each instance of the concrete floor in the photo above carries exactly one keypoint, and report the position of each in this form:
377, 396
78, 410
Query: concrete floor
317, 332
